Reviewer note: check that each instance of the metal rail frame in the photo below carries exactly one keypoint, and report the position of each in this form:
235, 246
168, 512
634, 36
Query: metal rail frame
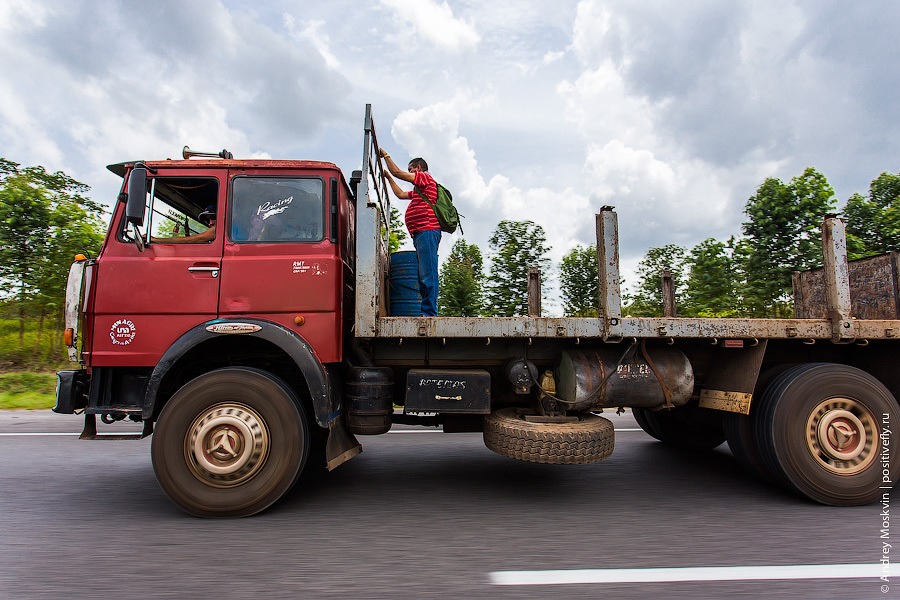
373, 230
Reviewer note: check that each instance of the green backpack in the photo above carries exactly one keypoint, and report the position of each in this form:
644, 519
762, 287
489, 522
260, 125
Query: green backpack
443, 209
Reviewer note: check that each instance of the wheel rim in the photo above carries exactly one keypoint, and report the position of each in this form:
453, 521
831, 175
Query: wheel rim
841, 434
226, 445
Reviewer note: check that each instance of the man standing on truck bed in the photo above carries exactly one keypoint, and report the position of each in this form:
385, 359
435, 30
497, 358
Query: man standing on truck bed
422, 223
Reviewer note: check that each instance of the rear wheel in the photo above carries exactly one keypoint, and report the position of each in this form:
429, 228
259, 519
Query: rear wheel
230, 442
739, 430
640, 415
589, 439
818, 428
689, 426
742, 442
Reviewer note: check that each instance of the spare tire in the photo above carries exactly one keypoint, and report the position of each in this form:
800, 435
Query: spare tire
590, 439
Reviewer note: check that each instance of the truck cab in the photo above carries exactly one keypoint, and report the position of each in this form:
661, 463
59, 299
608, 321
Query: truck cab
275, 255
267, 290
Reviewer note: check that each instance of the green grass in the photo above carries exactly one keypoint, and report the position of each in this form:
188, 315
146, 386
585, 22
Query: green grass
44, 354
26, 372
27, 390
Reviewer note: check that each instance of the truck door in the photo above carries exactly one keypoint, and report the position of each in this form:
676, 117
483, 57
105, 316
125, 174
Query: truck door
145, 299
279, 262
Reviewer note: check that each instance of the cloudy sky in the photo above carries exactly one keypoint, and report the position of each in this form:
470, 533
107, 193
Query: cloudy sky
672, 111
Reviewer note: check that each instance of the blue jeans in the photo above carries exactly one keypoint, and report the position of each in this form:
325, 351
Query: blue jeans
426, 243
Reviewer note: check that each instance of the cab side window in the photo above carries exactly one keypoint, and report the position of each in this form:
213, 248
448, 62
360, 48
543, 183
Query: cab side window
175, 206
277, 210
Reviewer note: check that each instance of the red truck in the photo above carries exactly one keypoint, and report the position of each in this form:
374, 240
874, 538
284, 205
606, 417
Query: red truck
261, 354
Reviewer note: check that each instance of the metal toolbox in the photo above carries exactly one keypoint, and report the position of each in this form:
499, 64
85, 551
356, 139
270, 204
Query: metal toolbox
466, 391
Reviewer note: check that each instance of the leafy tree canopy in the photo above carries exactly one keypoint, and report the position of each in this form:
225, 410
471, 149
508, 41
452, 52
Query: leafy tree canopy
398, 231
712, 280
873, 221
783, 235
578, 282
45, 219
647, 301
461, 279
515, 247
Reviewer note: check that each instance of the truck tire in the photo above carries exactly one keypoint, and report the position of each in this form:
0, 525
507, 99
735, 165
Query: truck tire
689, 427
739, 433
590, 439
739, 430
230, 442
640, 415
819, 428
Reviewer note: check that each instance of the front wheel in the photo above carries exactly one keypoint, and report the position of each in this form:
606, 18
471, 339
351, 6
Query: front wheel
820, 429
230, 442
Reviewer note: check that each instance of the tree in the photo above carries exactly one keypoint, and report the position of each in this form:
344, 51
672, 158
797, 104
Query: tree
460, 291
24, 238
515, 246
873, 222
578, 282
45, 219
398, 231
76, 227
712, 280
783, 235
648, 301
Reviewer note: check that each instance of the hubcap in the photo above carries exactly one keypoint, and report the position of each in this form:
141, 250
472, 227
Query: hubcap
226, 445
841, 435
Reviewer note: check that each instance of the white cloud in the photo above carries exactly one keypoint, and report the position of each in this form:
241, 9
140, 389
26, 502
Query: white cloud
551, 57
314, 34
436, 24
590, 30
672, 112
653, 143
15, 14
190, 74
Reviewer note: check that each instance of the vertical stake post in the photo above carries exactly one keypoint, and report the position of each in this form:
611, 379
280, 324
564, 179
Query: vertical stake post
610, 309
534, 292
837, 280
668, 294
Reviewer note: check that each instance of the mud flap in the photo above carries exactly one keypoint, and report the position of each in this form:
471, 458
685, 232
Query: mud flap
733, 375
341, 445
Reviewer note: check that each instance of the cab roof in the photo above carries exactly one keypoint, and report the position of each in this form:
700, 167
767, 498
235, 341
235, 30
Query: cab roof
216, 163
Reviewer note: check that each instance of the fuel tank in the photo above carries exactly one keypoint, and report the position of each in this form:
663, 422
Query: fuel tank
634, 383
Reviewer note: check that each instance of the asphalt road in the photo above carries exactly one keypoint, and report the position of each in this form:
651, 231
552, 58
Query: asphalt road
418, 515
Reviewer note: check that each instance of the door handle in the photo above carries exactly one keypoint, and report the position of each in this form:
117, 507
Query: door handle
214, 271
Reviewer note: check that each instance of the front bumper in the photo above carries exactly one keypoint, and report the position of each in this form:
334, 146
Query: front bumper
71, 391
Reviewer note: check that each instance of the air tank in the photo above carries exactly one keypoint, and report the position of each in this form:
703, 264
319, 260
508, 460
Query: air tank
634, 382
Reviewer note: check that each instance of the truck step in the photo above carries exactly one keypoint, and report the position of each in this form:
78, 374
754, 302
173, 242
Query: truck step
90, 431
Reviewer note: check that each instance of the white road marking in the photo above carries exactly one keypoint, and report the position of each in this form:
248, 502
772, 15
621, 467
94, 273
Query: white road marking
655, 575
34, 433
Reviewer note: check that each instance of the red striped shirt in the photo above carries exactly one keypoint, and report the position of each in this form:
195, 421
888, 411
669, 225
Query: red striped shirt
420, 216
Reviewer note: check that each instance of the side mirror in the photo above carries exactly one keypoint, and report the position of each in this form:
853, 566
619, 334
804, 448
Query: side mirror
136, 206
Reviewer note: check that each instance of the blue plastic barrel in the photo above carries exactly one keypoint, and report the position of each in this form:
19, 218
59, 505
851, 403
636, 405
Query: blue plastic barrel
404, 285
